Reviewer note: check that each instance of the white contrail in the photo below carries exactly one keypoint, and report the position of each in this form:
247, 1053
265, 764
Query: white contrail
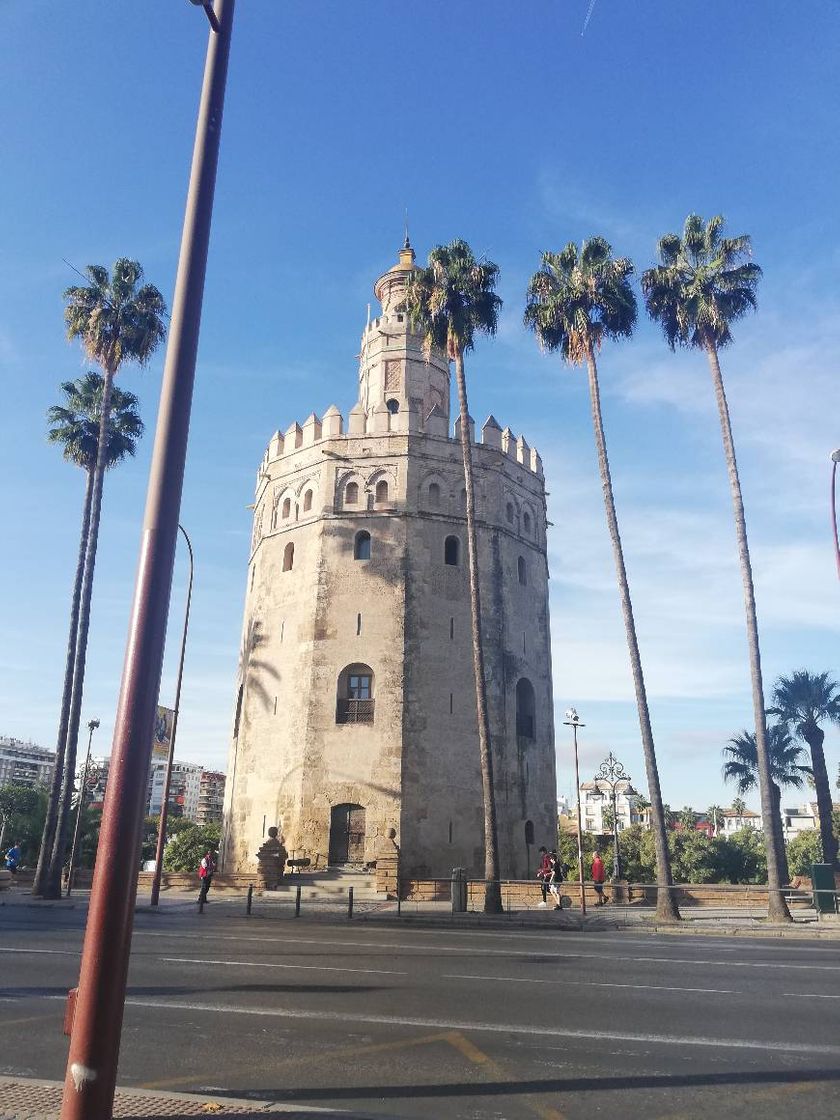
588, 17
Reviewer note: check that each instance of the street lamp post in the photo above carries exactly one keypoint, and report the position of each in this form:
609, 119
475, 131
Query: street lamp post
573, 720
92, 725
96, 1020
164, 808
835, 459
612, 775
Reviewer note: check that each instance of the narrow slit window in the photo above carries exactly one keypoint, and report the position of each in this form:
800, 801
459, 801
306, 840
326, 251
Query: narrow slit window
522, 570
288, 557
358, 624
451, 702
361, 546
451, 629
451, 549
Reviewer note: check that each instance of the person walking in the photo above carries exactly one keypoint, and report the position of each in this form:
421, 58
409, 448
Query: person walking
544, 875
599, 874
205, 874
558, 872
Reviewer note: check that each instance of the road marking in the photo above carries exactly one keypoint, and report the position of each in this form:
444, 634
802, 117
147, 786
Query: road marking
343, 1017
472, 1053
272, 964
50, 952
589, 983
809, 995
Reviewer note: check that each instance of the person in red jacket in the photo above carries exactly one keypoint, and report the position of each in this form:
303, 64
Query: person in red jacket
599, 874
544, 874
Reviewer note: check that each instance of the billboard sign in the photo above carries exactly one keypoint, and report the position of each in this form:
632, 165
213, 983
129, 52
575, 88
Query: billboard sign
163, 734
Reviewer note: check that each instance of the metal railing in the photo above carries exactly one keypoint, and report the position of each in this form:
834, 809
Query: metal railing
354, 711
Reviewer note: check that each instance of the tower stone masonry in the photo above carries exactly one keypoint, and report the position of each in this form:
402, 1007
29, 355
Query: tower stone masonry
355, 698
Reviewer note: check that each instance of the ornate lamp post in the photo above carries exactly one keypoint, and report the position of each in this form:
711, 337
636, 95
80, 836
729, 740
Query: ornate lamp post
612, 778
92, 726
573, 720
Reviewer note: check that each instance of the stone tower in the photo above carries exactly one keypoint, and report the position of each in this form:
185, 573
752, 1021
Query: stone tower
355, 703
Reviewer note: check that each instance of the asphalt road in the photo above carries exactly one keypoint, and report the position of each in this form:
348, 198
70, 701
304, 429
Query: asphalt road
407, 1022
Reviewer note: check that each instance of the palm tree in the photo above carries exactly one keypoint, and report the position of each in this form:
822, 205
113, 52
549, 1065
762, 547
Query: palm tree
702, 284
117, 319
741, 767
802, 702
687, 818
713, 814
74, 425
449, 302
575, 301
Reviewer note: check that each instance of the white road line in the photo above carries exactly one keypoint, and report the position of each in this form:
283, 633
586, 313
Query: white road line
271, 964
344, 1017
589, 984
809, 995
50, 952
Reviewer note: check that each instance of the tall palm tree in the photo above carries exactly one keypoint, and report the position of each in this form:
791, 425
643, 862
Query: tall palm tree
701, 286
575, 301
117, 319
739, 806
713, 814
449, 302
74, 426
741, 767
802, 702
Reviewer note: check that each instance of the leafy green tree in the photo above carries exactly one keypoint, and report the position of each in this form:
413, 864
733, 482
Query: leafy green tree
449, 302
701, 286
803, 701
185, 850
741, 767
804, 850
16, 801
117, 319
578, 299
74, 426
687, 818
638, 854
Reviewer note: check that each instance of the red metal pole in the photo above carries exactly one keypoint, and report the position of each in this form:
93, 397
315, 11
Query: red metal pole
164, 807
91, 1075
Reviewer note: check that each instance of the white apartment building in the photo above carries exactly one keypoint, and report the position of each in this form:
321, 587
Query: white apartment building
801, 819
730, 821
594, 803
24, 764
184, 789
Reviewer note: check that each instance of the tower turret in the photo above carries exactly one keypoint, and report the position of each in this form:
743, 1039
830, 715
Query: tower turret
394, 368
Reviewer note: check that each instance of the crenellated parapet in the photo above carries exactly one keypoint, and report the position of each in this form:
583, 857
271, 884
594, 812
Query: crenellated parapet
331, 427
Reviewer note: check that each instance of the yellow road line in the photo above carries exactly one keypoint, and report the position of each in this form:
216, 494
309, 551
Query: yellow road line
478, 1057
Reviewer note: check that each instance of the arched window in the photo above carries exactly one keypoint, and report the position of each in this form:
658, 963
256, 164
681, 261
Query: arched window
307, 501
382, 491
526, 523
529, 832
288, 557
451, 550
509, 512
393, 406
522, 570
287, 507
351, 494
434, 495
354, 695
525, 709
361, 546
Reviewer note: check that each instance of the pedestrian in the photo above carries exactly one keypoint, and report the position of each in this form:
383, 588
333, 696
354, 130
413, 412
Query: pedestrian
205, 874
544, 875
599, 874
558, 873
13, 858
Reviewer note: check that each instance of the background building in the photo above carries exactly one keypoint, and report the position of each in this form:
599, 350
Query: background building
211, 797
24, 764
184, 788
355, 699
594, 805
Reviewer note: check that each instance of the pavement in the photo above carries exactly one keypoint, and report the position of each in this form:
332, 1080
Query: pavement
399, 1021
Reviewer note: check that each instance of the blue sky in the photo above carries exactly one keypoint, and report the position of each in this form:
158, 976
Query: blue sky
501, 124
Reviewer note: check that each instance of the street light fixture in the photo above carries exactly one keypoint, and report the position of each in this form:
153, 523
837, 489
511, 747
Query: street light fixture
92, 725
612, 778
164, 808
835, 459
573, 720
95, 1010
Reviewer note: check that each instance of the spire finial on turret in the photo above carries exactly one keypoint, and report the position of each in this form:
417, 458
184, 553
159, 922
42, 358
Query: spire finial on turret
407, 242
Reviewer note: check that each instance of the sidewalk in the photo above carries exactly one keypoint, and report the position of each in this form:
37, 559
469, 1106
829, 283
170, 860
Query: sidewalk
23, 1099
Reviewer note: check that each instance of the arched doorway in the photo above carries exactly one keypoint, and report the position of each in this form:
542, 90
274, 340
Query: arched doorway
347, 834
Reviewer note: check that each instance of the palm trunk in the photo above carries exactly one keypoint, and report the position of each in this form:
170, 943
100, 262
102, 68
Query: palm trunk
814, 737
666, 906
492, 885
53, 883
48, 836
779, 836
777, 909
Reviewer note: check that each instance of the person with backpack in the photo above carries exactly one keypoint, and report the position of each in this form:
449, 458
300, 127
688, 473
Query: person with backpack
205, 874
558, 873
544, 875
13, 858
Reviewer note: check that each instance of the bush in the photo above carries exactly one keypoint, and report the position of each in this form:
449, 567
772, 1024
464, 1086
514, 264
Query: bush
184, 851
803, 850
